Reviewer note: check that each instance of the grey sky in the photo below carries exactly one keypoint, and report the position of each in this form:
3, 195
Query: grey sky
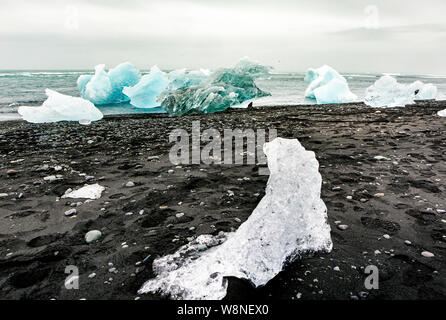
289, 35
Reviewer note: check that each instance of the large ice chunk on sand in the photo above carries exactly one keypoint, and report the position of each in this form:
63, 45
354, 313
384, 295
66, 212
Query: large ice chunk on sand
224, 88
289, 221
106, 87
145, 94
60, 107
386, 92
326, 85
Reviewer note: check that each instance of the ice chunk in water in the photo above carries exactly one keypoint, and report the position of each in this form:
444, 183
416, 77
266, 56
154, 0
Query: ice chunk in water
326, 85
224, 88
289, 221
92, 191
60, 107
106, 88
145, 93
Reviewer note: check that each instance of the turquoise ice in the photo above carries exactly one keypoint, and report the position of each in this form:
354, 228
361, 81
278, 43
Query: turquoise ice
106, 87
326, 85
224, 88
145, 94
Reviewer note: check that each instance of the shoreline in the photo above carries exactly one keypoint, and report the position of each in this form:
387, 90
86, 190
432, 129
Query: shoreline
402, 197
358, 105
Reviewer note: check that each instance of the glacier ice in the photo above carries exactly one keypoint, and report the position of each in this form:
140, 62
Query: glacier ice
181, 78
289, 221
253, 68
106, 87
60, 107
146, 92
387, 92
326, 85
224, 88
92, 191
442, 113
423, 91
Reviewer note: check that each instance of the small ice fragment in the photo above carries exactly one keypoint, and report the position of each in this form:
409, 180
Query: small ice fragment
381, 158
442, 113
427, 254
84, 122
92, 236
92, 191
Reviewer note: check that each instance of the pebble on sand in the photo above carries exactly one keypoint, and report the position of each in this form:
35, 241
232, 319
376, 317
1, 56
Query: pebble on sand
130, 184
93, 236
70, 212
11, 172
379, 158
427, 254
379, 195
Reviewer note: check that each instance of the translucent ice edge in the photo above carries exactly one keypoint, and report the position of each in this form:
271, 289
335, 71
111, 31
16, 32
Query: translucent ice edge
289, 221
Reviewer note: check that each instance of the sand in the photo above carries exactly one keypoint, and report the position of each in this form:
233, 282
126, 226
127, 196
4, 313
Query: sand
383, 202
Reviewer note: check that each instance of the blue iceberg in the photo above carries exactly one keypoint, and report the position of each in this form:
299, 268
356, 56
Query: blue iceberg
106, 88
60, 107
145, 94
224, 88
181, 78
326, 85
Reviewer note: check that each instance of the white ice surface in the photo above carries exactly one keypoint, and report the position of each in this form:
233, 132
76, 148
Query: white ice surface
326, 85
60, 107
92, 191
289, 221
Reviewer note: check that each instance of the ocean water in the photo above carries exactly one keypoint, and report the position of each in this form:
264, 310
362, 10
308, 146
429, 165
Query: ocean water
28, 88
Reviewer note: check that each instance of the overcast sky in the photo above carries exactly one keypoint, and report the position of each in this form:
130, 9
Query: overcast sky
395, 36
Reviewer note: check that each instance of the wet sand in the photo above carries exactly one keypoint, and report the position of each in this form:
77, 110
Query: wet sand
402, 197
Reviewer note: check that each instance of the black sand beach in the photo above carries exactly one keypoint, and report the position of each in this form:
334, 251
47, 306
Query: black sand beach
402, 196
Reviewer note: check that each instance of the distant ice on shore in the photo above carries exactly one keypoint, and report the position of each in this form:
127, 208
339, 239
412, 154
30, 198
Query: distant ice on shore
222, 89
60, 107
178, 92
442, 113
289, 221
327, 86
386, 92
